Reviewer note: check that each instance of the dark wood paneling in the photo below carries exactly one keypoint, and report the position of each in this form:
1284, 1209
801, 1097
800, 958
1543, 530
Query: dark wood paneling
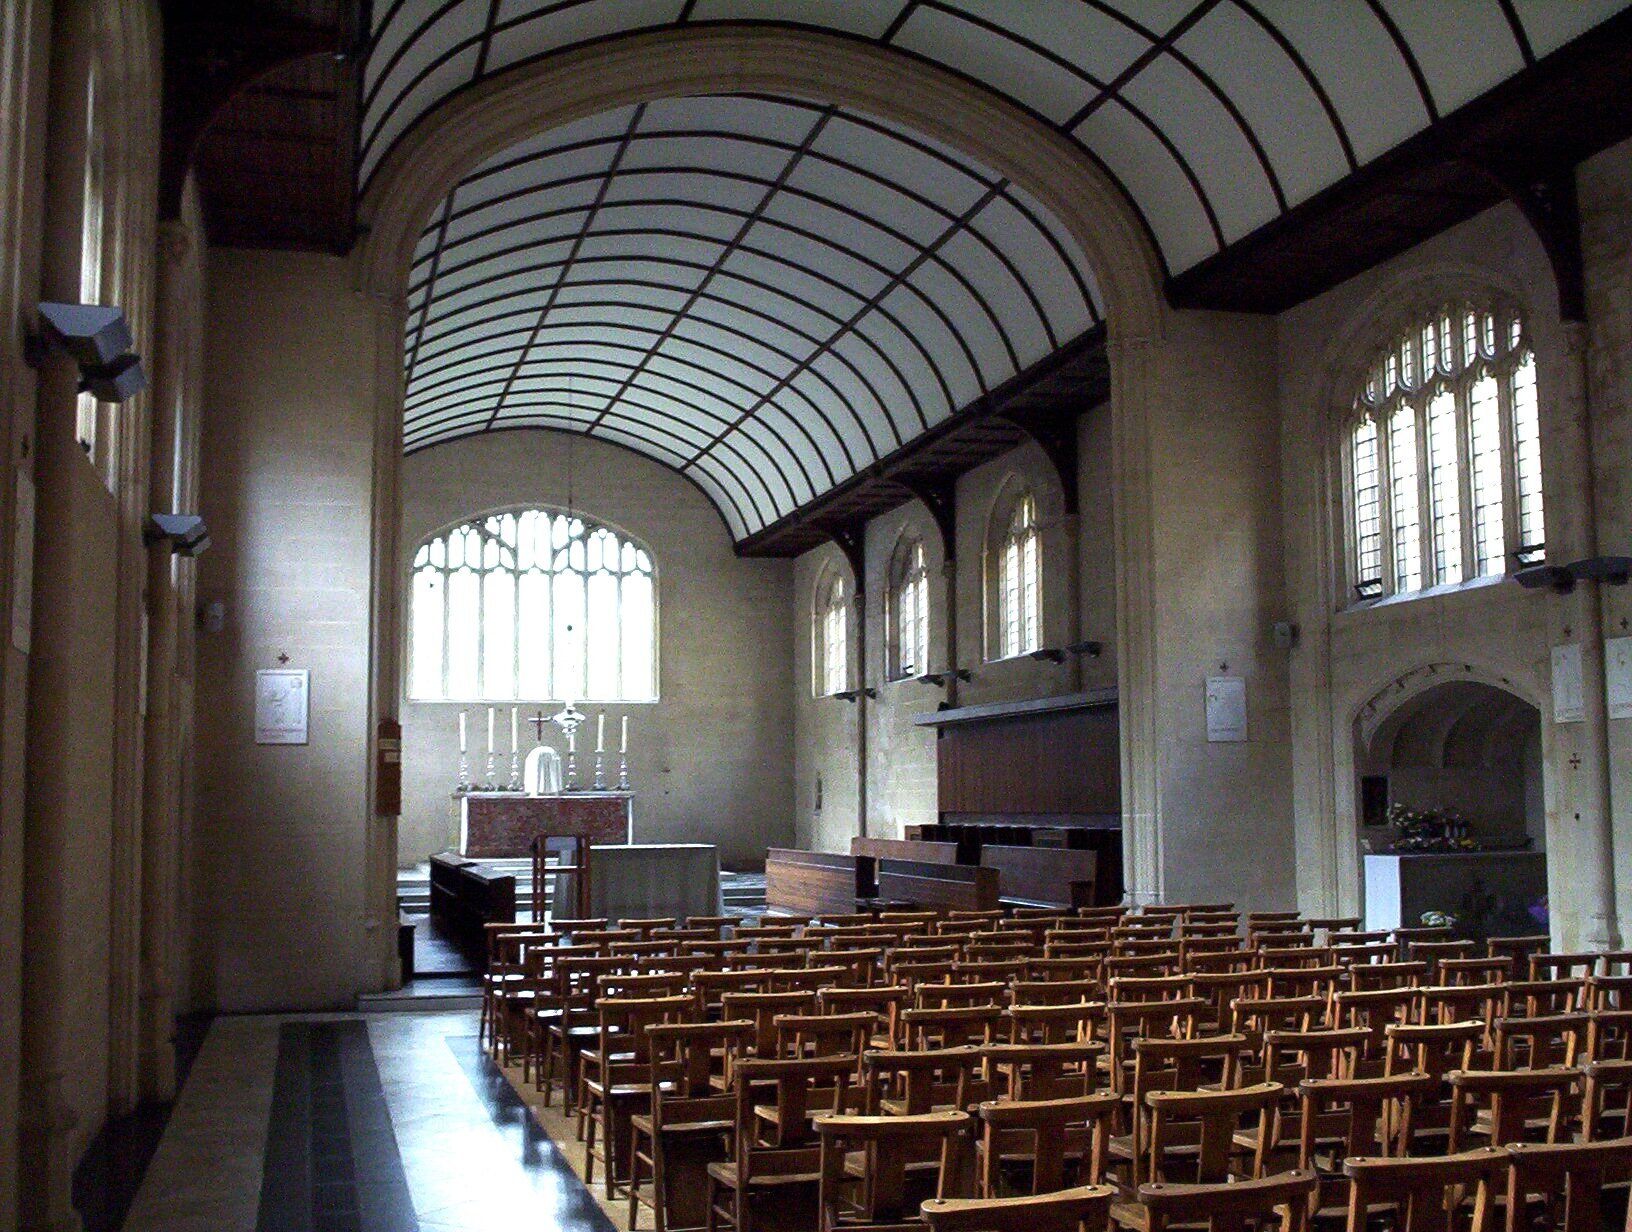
1051, 763
944, 887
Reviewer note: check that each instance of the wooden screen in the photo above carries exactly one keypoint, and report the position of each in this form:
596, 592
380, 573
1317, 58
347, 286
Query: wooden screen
1062, 763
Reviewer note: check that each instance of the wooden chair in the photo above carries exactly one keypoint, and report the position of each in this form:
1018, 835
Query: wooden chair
950, 1027
1538, 997
687, 1112
1566, 1180
1056, 992
1403, 937
1280, 1201
1435, 1050
1173, 1065
883, 1001
1563, 966
1051, 1138
1044, 1071
1609, 1035
1393, 974
1538, 1043
1606, 1099
948, 996
1507, 1107
763, 1009
1339, 1119
1608, 992
1084, 1209
866, 1167
1435, 952
1055, 1024
1460, 971
1519, 949
913, 1083
1193, 1140
774, 1146
1427, 1195
1358, 954
823, 1035
1375, 1010
615, 1078
1127, 1022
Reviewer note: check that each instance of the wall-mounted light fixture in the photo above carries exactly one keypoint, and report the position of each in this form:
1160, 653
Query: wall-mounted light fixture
850, 695
98, 339
185, 532
1090, 648
1610, 570
1052, 654
940, 679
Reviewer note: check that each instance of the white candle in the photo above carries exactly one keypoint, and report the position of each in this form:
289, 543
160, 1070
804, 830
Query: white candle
515, 729
462, 747
572, 742
600, 732
490, 729
624, 746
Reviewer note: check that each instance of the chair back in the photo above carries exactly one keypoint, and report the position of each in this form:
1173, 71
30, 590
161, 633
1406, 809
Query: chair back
912, 1083
1510, 1102
1044, 1071
1084, 1209
1195, 1132
1570, 1177
1052, 1133
1280, 1201
1428, 1194
877, 1197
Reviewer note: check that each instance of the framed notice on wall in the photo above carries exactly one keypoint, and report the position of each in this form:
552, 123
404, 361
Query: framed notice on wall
1569, 704
1618, 676
282, 699
1226, 710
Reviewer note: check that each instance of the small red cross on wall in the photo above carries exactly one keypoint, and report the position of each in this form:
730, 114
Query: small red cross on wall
283, 658
1575, 761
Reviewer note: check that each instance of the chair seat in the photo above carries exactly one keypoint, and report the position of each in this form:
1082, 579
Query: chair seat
726, 1174
643, 1123
619, 1090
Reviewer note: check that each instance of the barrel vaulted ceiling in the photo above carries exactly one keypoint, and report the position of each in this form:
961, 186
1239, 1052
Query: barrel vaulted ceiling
770, 294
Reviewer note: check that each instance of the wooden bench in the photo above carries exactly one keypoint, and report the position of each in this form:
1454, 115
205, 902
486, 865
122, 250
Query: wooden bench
904, 849
943, 887
465, 898
1042, 876
812, 882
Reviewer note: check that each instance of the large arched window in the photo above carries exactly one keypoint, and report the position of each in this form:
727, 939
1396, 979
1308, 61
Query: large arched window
1443, 463
1019, 580
534, 605
831, 643
908, 611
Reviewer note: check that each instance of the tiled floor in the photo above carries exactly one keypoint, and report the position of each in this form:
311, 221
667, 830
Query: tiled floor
388, 1123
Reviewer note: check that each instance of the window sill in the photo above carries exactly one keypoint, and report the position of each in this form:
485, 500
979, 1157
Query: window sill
1431, 592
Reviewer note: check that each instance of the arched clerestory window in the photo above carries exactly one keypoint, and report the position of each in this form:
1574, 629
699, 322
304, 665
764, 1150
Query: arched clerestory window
1017, 604
1443, 454
830, 666
908, 611
533, 605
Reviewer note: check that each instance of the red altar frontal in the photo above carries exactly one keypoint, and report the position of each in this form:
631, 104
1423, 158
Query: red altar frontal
501, 825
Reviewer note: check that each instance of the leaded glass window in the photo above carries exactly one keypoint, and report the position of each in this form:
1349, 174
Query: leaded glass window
1444, 455
533, 605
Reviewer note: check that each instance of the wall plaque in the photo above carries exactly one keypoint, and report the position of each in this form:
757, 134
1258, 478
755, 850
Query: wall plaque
282, 699
1618, 676
1569, 704
1226, 709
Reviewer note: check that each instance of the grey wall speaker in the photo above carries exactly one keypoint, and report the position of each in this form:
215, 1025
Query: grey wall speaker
95, 335
1284, 633
114, 382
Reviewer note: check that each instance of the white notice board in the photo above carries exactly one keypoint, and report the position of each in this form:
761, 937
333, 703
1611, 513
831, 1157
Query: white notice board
1569, 705
1618, 676
282, 702
1226, 709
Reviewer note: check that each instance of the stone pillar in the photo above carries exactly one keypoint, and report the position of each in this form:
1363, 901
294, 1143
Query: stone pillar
1581, 881
380, 966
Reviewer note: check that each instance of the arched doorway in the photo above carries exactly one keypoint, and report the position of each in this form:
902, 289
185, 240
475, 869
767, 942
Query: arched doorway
1453, 811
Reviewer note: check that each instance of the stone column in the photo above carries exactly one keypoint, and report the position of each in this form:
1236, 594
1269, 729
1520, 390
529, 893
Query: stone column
1582, 882
380, 966
1135, 398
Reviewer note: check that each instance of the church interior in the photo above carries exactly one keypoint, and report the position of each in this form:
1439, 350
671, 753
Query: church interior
816, 615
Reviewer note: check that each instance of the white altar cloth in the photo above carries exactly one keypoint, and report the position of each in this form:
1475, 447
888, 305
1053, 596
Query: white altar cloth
650, 880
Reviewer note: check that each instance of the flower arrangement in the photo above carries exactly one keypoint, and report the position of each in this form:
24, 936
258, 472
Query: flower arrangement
1430, 830
1438, 919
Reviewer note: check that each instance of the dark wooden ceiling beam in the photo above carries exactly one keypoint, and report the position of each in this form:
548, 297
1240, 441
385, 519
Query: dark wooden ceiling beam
1529, 130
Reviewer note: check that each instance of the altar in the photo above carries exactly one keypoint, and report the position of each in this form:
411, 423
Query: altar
501, 825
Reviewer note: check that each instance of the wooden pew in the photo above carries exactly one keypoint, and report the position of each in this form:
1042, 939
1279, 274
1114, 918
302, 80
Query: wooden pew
1042, 876
945, 887
465, 897
904, 849
812, 882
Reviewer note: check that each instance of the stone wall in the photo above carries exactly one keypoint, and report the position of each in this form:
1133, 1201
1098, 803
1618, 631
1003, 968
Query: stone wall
711, 760
280, 841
